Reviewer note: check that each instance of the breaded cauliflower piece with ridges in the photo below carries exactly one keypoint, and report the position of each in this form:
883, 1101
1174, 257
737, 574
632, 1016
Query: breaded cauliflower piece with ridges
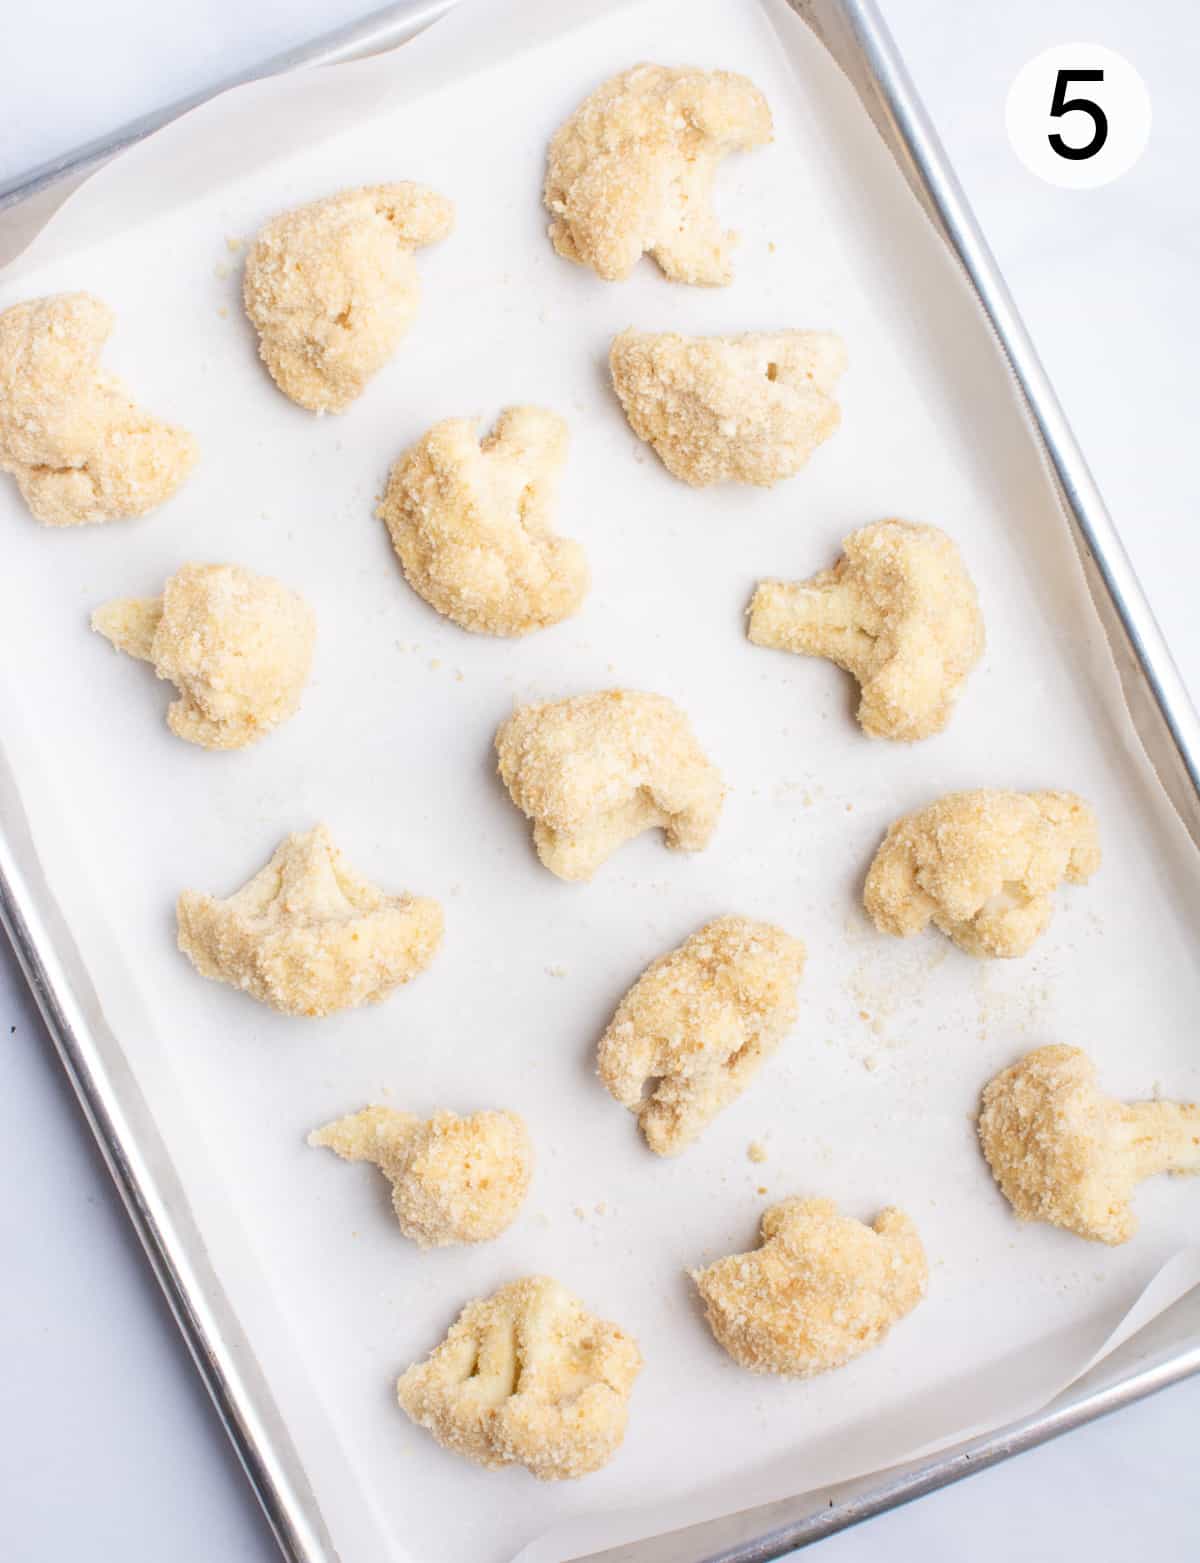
454, 1180
982, 866
593, 771
471, 523
744, 409
333, 286
237, 646
79, 447
527, 1377
821, 1290
1062, 1152
631, 172
307, 935
697, 1025
898, 611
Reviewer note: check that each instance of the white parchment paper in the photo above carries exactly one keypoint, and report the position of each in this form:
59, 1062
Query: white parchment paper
871, 1099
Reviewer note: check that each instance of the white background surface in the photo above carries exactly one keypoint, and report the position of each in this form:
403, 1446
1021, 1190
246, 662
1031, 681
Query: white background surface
107, 1444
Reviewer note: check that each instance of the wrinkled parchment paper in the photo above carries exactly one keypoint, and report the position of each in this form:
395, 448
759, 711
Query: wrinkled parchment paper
871, 1099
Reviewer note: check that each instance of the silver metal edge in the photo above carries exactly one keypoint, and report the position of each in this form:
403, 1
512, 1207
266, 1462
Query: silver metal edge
856, 37
893, 1489
139, 1164
379, 30
1140, 1367
150, 1190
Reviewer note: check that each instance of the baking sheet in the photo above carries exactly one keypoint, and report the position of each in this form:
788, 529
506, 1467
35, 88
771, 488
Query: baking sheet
870, 1099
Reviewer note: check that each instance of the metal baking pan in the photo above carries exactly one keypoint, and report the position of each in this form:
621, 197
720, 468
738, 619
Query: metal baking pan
855, 36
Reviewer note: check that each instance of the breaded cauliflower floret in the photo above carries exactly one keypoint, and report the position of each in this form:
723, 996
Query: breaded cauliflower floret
982, 866
237, 646
692, 1032
594, 771
471, 523
454, 1180
631, 172
821, 1290
898, 611
332, 287
746, 409
307, 935
1062, 1152
79, 447
527, 1377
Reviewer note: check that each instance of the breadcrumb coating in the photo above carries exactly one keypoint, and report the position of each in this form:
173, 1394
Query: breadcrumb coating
527, 1377
982, 866
821, 1290
692, 1032
333, 286
743, 409
898, 611
471, 523
454, 1180
1063, 1152
631, 172
593, 771
79, 447
237, 646
307, 935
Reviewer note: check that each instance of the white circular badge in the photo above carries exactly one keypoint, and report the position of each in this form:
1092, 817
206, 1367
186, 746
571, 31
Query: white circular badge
1078, 115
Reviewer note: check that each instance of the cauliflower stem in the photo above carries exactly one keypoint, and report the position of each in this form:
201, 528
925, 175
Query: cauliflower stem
237, 646
898, 611
454, 1180
1063, 1152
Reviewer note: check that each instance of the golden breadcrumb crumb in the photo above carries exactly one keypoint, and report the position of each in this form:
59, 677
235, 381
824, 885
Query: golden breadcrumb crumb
982, 866
333, 286
822, 1289
307, 935
1063, 1152
527, 1377
596, 770
454, 1180
237, 646
746, 409
692, 1032
898, 611
471, 523
79, 447
631, 172
756, 1152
